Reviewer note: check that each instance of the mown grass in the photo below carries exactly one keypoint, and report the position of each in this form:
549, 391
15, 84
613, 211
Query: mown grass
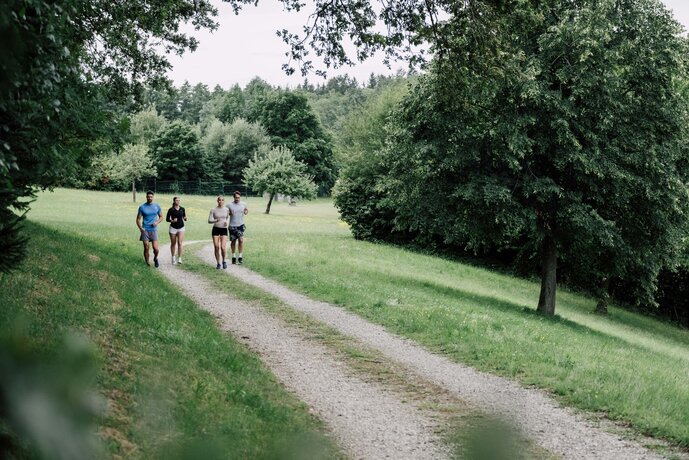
632, 368
175, 385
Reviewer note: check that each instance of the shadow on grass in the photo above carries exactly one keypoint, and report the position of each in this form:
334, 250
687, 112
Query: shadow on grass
623, 316
514, 309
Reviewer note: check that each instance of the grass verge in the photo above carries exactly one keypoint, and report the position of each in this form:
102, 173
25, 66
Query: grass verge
174, 385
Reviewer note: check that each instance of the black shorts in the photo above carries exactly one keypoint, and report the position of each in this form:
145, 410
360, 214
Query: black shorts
219, 231
237, 232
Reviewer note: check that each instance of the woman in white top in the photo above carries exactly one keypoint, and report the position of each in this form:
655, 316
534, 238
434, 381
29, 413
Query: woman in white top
219, 217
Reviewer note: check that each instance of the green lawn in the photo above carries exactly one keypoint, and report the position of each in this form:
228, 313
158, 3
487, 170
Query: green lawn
632, 367
173, 383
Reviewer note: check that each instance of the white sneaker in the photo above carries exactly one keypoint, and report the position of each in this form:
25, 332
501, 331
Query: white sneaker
179, 260
174, 260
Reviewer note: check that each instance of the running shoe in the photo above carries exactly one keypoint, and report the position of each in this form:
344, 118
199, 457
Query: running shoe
240, 260
217, 267
156, 263
234, 261
224, 264
179, 260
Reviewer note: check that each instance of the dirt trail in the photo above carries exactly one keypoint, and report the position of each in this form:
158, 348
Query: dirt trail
370, 422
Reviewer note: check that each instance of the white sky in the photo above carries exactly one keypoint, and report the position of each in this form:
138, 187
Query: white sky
246, 46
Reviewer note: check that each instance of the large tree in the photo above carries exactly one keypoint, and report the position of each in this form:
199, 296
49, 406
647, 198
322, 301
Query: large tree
277, 171
176, 152
563, 129
359, 193
559, 125
61, 66
291, 122
227, 148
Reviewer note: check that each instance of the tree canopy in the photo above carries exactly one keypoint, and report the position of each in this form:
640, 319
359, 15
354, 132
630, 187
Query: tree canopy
229, 147
133, 163
176, 152
556, 127
291, 122
277, 171
63, 64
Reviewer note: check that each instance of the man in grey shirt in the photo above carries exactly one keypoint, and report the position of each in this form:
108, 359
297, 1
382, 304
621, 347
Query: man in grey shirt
238, 210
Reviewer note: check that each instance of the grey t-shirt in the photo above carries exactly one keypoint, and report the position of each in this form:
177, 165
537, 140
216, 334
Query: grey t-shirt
219, 214
237, 210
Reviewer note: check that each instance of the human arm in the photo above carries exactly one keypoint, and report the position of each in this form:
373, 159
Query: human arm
160, 217
139, 217
211, 218
168, 217
184, 213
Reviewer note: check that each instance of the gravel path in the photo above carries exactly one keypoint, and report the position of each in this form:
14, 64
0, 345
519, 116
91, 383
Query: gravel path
368, 421
551, 426
350, 409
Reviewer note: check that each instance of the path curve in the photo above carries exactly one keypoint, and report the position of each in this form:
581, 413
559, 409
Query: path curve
368, 421
553, 427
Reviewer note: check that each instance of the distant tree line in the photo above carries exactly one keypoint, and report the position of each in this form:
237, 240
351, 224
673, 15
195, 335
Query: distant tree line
193, 133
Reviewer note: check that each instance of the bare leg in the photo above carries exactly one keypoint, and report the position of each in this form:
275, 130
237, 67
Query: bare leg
155, 249
180, 240
223, 242
241, 244
173, 244
216, 246
146, 246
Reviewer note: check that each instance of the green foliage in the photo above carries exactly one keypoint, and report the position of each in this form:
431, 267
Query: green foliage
62, 66
524, 140
177, 153
229, 147
277, 171
131, 165
191, 101
47, 397
291, 122
359, 194
144, 125
232, 105
336, 99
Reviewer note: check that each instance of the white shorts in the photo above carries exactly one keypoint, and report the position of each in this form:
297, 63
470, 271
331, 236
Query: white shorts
174, 231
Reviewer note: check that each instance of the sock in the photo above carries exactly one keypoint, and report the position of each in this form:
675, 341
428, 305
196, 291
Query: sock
240, 255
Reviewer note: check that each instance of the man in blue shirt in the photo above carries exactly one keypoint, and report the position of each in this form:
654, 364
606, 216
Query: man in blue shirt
148, 217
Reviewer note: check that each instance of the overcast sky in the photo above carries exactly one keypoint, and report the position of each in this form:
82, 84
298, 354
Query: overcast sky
246, 46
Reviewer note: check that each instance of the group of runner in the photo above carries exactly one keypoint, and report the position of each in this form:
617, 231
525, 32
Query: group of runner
227, 220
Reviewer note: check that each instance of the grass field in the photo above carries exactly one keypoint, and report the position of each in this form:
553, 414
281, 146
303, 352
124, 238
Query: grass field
630, 367
174, 385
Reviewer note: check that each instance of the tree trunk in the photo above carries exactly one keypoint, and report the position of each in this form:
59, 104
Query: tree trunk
270, 201
546, 301
134, 190
602, 305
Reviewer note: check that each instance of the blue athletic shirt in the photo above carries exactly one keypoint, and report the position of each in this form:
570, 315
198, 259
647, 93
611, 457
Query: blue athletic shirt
150, 214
